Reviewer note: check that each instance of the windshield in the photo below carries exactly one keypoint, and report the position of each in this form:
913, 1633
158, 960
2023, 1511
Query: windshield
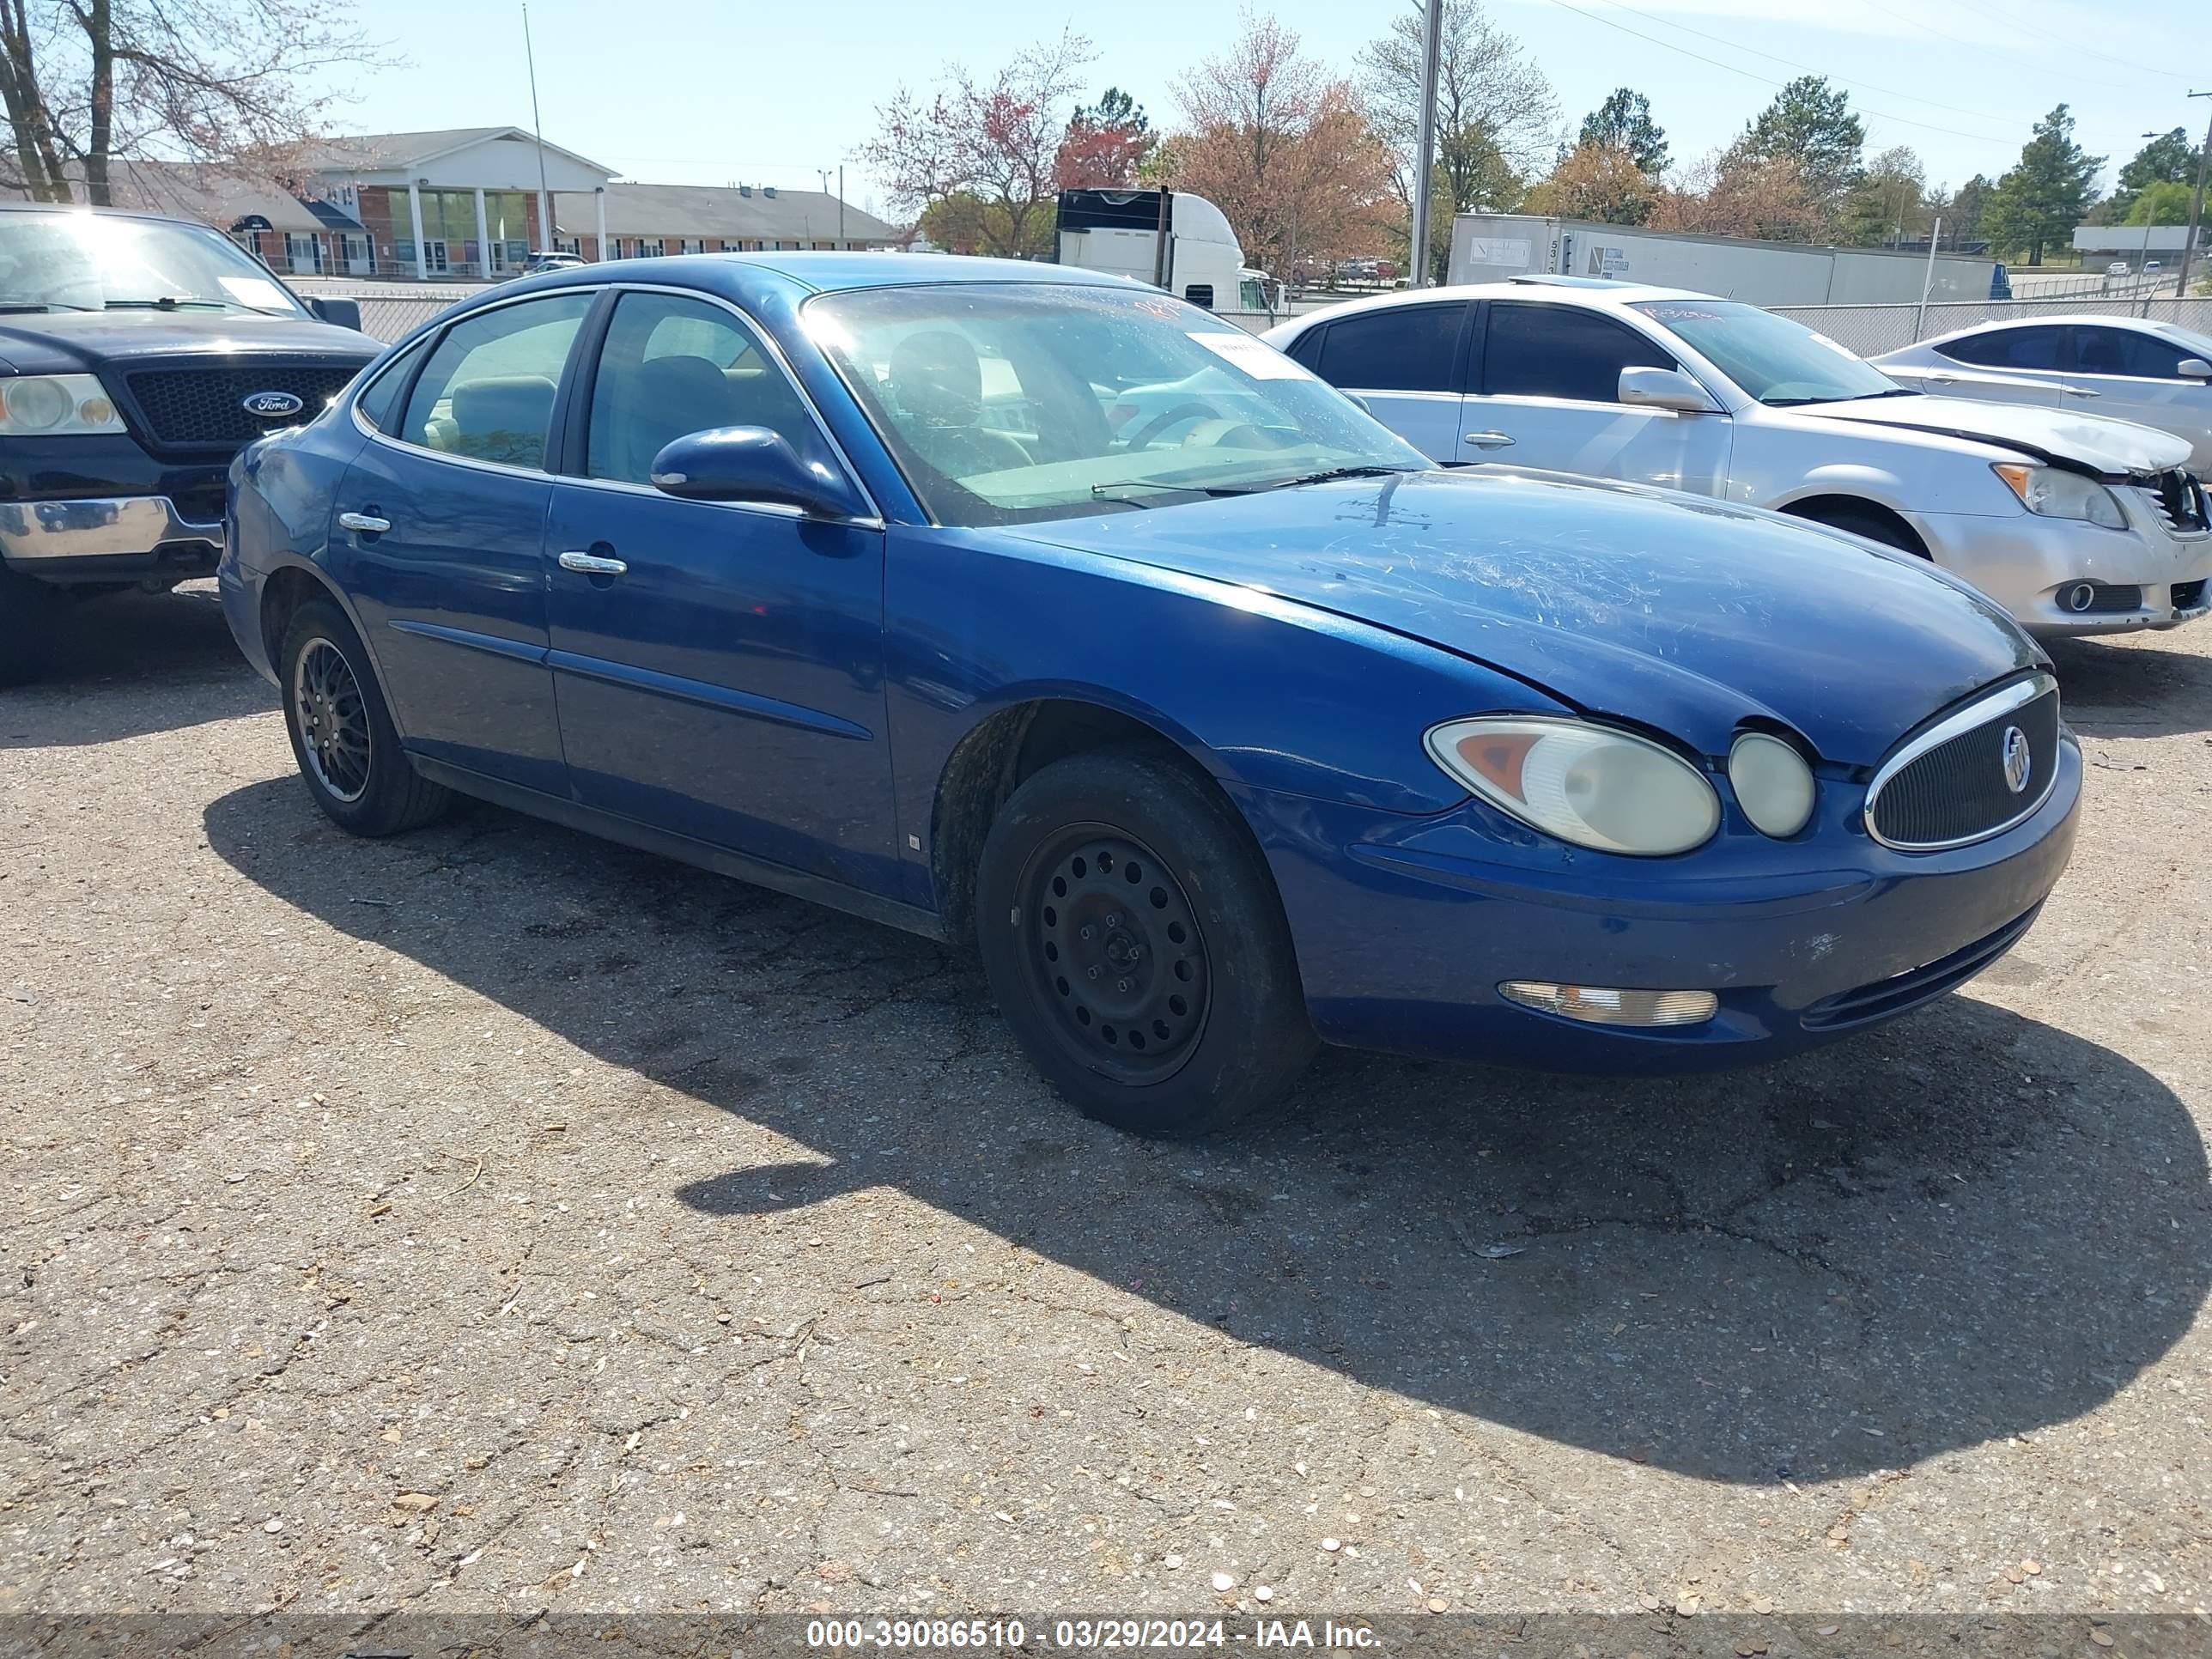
1006, 402
84, 261
2192, 339
1771, 358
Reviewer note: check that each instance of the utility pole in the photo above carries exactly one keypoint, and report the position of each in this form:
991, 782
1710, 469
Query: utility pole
538, 133
1425, 153
2196, 207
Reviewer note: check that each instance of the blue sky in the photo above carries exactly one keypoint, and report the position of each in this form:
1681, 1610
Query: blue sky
712, 91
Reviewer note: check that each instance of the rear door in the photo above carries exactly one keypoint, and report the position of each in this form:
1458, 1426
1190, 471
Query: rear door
1547, 395
1404, 363
2134, 374
441, 532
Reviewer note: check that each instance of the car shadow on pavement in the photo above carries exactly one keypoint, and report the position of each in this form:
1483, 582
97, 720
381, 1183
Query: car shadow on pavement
2135, 689
1961, 1227
178, 640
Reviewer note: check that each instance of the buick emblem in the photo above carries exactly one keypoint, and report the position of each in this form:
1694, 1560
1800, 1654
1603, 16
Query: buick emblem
272, 405
2018, 763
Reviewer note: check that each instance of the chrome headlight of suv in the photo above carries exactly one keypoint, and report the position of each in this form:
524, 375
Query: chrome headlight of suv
2055, 493
56, 405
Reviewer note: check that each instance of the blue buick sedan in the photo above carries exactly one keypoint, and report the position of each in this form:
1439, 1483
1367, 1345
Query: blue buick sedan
1038, 611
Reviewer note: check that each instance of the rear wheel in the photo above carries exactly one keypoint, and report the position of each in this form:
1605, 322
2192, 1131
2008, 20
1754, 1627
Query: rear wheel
341, 733
1136, 945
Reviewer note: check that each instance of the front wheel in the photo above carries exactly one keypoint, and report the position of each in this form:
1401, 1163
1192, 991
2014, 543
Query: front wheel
1135, 942
341, 733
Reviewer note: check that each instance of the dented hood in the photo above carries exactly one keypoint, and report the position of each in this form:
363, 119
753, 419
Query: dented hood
1668, 610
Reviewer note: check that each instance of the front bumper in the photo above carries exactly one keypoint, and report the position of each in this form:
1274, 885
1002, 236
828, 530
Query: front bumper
2025, 562
1406, 927
101, 537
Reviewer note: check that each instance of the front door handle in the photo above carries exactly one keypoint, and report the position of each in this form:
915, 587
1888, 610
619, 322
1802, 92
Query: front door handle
1489, 440
2079, 392
367, 523
591, 564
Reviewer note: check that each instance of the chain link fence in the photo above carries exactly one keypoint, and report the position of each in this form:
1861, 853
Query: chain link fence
1869, 330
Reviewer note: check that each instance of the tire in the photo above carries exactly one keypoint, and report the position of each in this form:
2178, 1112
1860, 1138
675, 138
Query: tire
28, 612
1872, 525
1190, 1018
357, 773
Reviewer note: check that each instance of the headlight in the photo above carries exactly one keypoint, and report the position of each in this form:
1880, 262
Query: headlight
1772, 784
1587, 784
52, 405
2056, 493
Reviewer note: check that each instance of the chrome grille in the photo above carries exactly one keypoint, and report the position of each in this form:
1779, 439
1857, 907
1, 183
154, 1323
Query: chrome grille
2177, 498
1953, 782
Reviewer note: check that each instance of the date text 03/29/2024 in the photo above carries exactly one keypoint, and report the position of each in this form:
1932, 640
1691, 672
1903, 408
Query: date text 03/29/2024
935, 1635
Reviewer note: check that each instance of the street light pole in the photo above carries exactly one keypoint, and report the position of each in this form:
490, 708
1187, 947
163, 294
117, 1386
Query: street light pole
1425, 152
2196, 207
538, 133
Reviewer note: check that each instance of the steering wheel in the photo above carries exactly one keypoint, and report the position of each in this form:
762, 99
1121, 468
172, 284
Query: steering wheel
1142, 438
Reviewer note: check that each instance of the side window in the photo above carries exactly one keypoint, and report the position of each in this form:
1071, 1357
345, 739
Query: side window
1199, 294
487, 391
379, 403
2124, 351
1395, 349
1307, 348
672, 367
1560, 351
2041, 348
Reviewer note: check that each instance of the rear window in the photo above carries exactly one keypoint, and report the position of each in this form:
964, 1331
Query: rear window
1396, 348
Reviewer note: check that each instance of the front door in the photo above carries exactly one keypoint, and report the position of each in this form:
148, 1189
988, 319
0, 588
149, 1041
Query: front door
441, 529
2134, 374
724, 683
2021, 364
1546, 379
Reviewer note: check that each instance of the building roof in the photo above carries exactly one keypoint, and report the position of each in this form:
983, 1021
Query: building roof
379, 152
212, 194
752, 213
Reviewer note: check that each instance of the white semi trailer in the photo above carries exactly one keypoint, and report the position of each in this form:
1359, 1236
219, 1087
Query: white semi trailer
1492, 246
1172, 239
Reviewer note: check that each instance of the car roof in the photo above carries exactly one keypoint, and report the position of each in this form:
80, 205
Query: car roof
1598, 293
826, 271
104, 212
2102, 319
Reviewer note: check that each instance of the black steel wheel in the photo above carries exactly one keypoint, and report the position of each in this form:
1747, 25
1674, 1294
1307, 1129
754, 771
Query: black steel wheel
1136, 944
1116, 940
342, 732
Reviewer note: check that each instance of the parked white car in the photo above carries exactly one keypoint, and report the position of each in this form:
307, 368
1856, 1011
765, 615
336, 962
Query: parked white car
2117, 268
2129, 367
2075, 524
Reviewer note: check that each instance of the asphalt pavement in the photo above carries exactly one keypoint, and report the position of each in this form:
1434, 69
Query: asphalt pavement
493, 1219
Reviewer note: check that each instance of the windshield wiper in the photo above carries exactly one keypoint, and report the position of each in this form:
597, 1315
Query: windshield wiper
1893, 392
41, 305
167, 302
1327, 475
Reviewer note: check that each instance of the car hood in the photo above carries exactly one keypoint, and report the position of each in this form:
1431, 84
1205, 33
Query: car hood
1672, 611
2092, 442
65, 342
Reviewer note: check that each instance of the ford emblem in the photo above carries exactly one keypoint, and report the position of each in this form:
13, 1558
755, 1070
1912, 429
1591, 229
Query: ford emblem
2018, 763
273, 405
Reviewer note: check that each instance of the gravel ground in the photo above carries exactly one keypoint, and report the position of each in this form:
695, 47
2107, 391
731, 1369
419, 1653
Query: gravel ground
494, 1219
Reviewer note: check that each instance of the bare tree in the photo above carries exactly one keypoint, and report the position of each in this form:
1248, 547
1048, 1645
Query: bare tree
1282, 148
995, 142
1737, 191
1492, 102
89, 82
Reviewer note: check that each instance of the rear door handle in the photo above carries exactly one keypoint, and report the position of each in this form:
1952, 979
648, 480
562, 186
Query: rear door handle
367, 523
1489, 440
591, 564
2079, 392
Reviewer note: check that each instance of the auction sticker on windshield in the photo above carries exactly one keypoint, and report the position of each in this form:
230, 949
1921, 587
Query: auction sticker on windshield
1251, 354
257, 291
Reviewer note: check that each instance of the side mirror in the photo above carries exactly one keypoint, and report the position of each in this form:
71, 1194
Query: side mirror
2193, 368
346, 314
1665, 388
749, 464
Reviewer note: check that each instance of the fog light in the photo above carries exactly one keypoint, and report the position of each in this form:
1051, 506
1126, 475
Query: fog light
1599, 1004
